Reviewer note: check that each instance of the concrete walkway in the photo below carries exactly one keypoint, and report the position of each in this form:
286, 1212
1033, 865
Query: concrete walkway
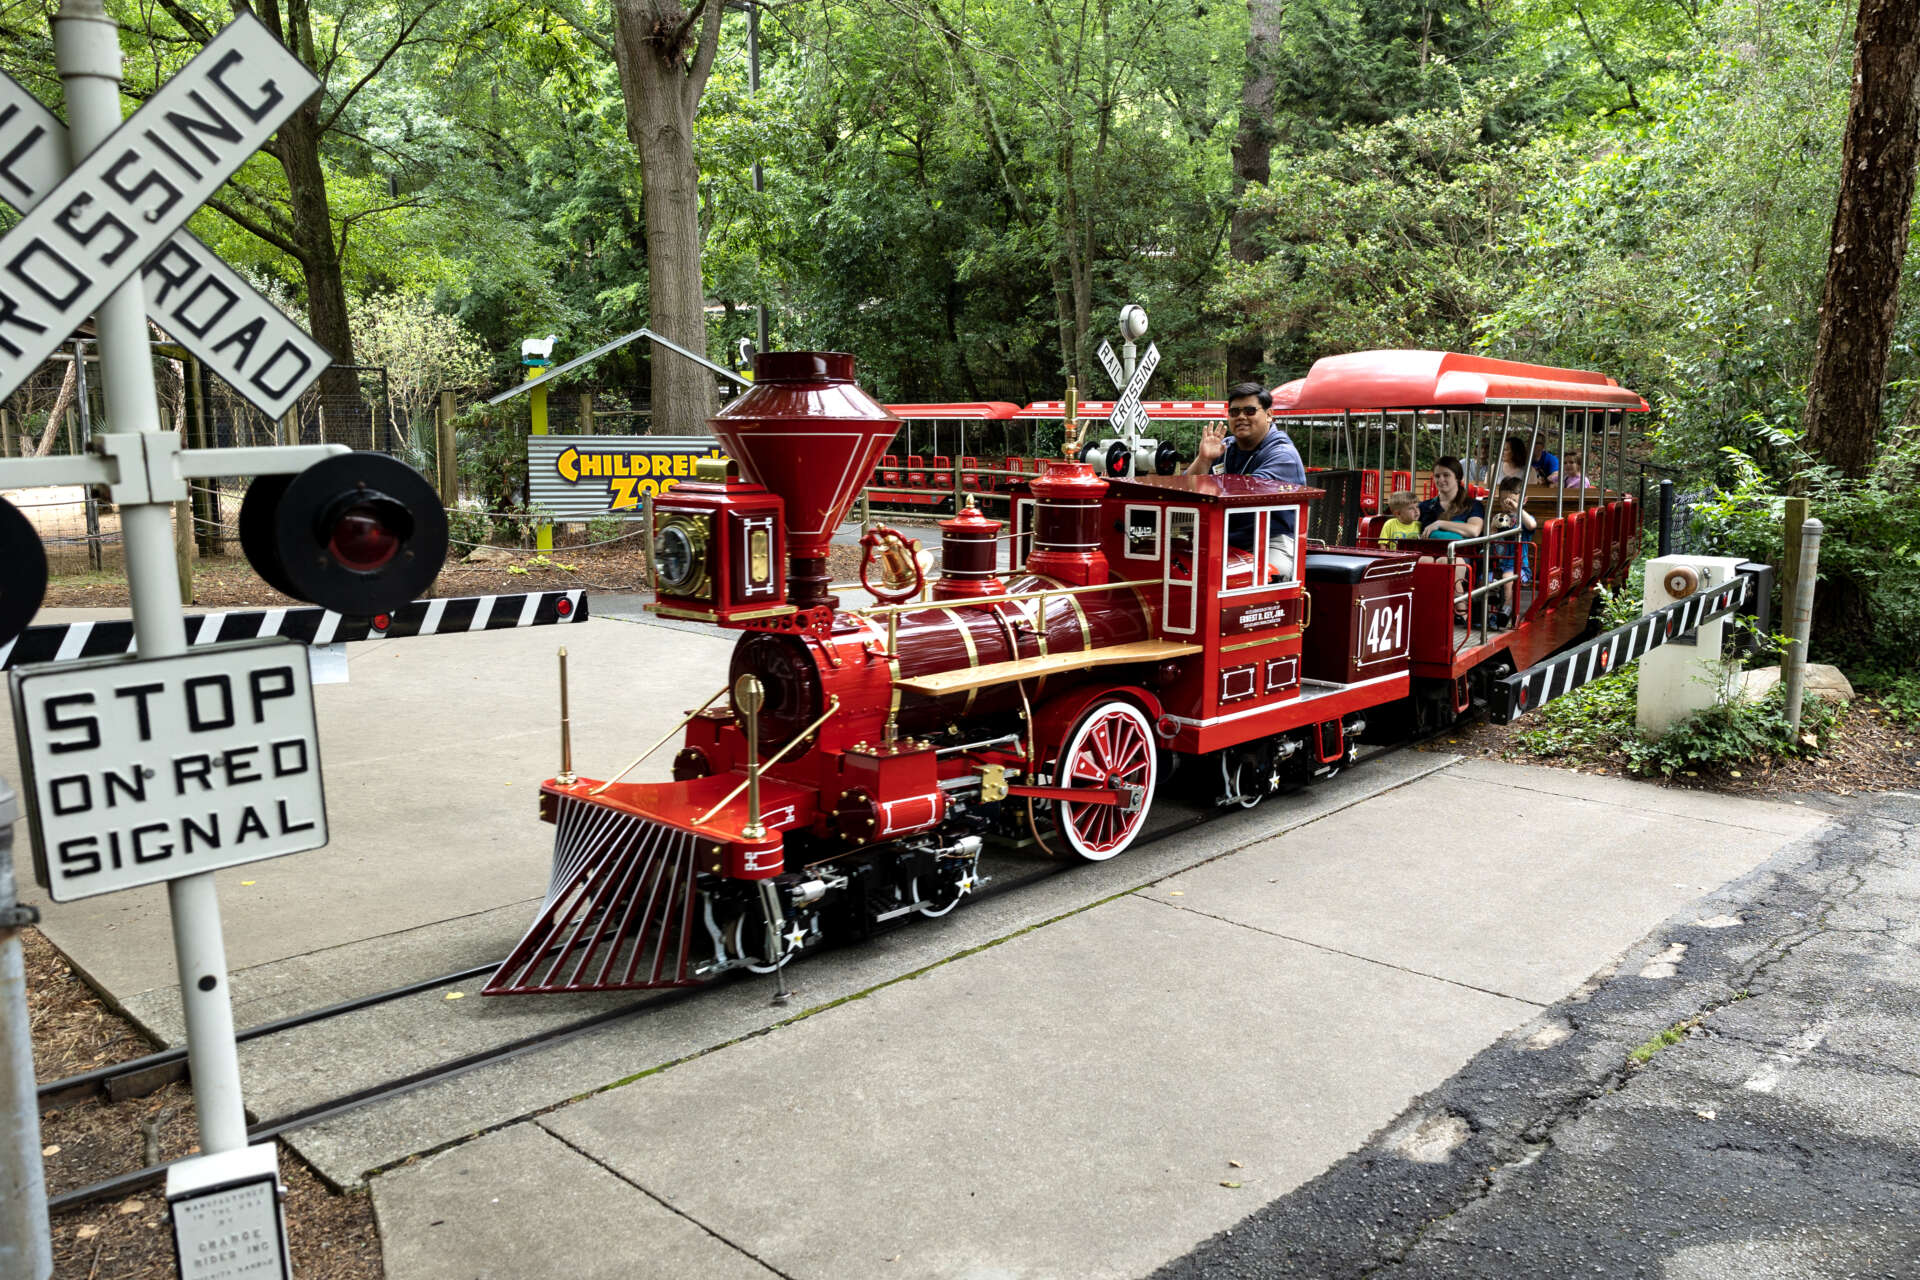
1058, 1081
1076, 1100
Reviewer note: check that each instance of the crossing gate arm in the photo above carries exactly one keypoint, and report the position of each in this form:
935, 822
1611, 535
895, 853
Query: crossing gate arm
64, 641
1529, 690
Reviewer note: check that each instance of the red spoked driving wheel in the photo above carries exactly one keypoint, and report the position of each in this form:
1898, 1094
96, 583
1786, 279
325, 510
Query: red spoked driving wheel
1110, 749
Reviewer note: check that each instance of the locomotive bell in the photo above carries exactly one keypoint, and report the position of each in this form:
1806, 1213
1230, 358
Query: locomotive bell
808, 433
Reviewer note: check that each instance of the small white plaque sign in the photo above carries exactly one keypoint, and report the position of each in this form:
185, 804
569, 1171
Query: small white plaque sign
227, 1223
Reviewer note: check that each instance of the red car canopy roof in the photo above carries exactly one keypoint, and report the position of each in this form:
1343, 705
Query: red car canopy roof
1370, 380
978, 410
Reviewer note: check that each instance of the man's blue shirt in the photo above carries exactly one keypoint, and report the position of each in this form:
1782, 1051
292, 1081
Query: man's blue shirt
1274, 458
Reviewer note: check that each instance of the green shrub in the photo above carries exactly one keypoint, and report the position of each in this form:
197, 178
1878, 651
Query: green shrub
1597, 722
469, 527
606, 528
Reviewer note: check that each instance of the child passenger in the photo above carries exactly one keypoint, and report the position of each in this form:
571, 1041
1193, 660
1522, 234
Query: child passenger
1405, 506
1572, 473
1507, 512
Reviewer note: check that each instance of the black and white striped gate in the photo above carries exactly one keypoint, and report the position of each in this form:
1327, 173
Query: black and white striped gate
1528, 690
64, 641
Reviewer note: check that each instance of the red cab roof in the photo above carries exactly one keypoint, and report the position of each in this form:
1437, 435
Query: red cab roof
1229, 491
1368, 380
979, 410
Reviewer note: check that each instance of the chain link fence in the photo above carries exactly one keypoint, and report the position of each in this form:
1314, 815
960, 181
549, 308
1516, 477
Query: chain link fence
56, 411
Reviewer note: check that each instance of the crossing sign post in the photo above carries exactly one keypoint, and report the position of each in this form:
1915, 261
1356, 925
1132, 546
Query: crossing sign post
1128, 416
132, 187
104, 237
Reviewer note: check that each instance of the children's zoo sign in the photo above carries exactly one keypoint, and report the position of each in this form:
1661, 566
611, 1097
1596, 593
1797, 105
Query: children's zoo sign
579, 477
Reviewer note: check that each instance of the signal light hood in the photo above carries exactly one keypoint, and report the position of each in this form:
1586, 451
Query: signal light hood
807, 432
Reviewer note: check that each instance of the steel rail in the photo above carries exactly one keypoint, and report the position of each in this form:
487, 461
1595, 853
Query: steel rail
100, 1079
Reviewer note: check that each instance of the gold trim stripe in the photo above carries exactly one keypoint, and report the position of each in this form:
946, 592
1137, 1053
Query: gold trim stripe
973, 655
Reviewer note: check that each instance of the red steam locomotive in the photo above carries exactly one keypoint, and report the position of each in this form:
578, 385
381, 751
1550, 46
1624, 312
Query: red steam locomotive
1245, 631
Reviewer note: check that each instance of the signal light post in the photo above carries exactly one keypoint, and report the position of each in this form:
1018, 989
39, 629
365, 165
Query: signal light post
358, 534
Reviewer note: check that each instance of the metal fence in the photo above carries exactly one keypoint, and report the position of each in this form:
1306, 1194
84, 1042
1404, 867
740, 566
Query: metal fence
56, 411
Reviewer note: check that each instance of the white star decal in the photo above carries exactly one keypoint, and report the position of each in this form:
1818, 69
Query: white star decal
795, 936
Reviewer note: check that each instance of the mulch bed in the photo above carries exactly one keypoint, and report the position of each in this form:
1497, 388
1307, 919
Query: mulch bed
332, 1235
1867, 750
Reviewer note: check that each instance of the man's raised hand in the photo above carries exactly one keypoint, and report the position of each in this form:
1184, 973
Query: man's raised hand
1213, 442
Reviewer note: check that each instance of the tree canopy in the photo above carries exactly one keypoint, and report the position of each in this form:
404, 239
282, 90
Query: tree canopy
963, 192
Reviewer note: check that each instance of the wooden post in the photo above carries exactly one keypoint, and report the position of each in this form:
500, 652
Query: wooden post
183, 548
6, 435
586, 413
446, 452
208, 535
1794, 520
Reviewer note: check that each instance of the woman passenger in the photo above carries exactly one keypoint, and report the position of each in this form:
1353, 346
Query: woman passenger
1513, 460
1452, 512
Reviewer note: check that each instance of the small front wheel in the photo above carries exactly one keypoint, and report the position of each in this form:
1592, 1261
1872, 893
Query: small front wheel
1109, 749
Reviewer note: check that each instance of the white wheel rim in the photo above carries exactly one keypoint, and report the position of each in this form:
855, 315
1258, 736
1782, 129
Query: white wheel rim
1112, 743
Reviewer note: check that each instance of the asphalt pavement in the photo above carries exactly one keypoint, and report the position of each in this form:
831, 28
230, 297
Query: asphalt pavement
1739, 1098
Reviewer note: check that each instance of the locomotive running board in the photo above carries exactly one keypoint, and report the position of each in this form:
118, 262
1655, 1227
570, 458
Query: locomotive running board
1529, 690
60, 642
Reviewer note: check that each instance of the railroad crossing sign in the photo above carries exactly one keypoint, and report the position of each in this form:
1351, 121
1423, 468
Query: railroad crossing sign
122, 209
1128, 418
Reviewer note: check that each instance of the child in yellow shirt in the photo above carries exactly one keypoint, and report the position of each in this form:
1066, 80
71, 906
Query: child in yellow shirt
1406, 518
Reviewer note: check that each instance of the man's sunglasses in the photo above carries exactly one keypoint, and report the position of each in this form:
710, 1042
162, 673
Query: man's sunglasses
1242, 410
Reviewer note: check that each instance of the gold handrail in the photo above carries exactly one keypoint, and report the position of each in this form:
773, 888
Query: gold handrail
754, 772
1013, 597
656, 746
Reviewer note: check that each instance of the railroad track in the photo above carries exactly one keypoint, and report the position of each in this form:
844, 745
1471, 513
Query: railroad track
141, 1076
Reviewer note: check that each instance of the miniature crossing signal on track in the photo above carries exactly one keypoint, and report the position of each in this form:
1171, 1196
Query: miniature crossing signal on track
357, 533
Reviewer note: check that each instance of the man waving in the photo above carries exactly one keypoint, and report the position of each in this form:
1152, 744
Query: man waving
1259, 450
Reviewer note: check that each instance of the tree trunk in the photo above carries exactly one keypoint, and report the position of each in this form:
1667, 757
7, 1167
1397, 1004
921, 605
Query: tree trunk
662, 95
1252, 151
1861, 299
319, 257
61, 403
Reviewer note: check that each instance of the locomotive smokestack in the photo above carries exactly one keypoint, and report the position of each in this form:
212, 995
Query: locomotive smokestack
808, 433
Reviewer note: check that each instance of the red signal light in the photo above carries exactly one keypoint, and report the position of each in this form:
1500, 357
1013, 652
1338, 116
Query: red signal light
363, 539
381, 621
564, 608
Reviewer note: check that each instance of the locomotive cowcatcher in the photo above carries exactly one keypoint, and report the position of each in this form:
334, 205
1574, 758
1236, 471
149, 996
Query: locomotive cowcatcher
850, 771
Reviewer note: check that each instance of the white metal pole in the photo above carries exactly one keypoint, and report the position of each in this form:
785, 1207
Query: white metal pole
1794, 662
86, 48
26, 1249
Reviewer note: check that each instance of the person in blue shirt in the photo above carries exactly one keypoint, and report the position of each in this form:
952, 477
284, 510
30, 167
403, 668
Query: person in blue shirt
1259, 449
